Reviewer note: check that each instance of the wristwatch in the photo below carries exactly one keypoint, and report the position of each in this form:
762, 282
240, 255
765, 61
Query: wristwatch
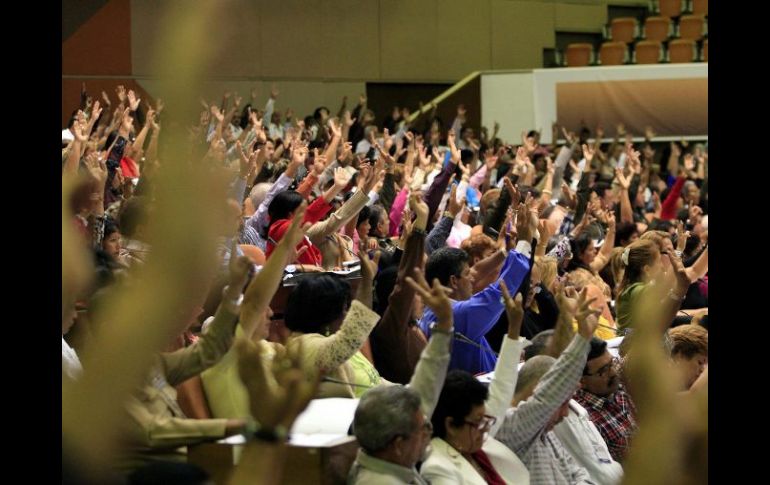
254, 431
434, 328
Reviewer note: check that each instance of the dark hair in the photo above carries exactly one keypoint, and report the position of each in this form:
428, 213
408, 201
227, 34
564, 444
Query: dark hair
315, 302
363, 215
445, 262
133, 214
283, 204
538, 344
317, 112
578, 246
110, 227
624, 231
461, 392
168, 473
375, 214
601, 187
598, 346
245, 117
660, 225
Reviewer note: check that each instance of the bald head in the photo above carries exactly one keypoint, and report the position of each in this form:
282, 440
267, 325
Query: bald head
530, 374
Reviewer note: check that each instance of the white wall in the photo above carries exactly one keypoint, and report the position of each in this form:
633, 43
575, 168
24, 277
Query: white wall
508, 98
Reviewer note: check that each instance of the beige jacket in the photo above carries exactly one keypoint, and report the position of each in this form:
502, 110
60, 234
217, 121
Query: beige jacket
156, 427
331, 354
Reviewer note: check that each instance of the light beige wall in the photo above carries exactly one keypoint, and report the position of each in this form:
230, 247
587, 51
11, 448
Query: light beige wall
323, 48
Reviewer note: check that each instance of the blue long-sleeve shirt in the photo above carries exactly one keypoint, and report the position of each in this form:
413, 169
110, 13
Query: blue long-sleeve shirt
476, 316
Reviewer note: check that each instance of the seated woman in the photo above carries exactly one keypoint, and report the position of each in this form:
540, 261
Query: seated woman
643, 266
586, 261
226, 395
467, 413
332, 330
281, 211
379, 230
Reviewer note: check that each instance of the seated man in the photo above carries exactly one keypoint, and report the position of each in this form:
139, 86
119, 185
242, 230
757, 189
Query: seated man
527, 428
606, 400
475, 315
576, 432
392, 423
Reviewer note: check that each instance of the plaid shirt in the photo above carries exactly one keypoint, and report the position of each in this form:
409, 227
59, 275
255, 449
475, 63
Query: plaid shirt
613, 416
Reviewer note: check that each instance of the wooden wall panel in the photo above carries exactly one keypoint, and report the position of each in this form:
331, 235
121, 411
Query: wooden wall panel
464, 37
409, 40
350, 39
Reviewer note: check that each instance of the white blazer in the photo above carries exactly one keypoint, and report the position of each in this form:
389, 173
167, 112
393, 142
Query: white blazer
445, 465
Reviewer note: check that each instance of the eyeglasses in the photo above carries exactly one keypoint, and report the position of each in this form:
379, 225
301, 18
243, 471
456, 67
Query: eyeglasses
484, 423
602, 372
427, 427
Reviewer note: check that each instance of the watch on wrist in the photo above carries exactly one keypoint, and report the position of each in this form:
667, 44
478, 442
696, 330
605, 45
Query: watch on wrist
434, 328
254, 431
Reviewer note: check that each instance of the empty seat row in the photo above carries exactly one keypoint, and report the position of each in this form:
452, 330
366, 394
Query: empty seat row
646, 52
626, 29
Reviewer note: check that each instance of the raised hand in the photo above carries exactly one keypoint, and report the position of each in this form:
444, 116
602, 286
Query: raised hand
689, 162
588, 153
95, 163
569, 195
220, 117
238, 272
435, 297
335, 128
347, 121
341, 178
513, 191
120, 91
133, 101
450, 138
514, 310
681, 236
369, 265
453, 205
568, 136
625, 182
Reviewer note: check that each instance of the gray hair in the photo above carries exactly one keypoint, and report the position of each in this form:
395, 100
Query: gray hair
258, 193
539, 344
384, 413
533, 370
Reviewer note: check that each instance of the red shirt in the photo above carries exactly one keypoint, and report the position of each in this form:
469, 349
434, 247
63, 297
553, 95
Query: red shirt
129, 168
314, 213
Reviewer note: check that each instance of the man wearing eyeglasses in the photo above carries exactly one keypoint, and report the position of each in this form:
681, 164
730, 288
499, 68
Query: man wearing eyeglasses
608, 404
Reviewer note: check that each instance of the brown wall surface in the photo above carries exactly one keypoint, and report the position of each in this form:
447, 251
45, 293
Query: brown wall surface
673, 106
